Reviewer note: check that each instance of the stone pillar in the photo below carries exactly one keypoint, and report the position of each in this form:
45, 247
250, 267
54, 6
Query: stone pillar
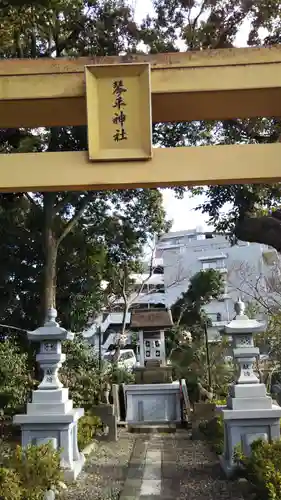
51, 416
141, 348
249, 413
163, 347
116, 402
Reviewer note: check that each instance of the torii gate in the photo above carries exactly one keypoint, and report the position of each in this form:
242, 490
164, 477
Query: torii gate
119, 98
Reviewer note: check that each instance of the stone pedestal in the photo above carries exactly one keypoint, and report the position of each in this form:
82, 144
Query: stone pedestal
153, 403
249, 414
50, 417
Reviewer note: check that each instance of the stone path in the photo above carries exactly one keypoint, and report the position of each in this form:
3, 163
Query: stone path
174, 467
153, 467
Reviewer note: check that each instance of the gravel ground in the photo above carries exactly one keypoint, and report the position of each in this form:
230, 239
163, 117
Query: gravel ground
105, 471
191, 471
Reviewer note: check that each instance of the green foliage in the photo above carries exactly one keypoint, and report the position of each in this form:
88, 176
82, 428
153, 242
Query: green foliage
263, 468
190, 362
87, 430
9, 485
213, 430
34, 469
80, 373
15, 379
104, 238
219, 402
174, 338
115, 224
120, 375
242, 210
188, 310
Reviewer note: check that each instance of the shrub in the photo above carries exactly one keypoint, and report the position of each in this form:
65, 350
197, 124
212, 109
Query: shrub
80, 373
263, 468
214, 432
120, 376
15, 380
36, 467
87, 429
10, 488
219, 402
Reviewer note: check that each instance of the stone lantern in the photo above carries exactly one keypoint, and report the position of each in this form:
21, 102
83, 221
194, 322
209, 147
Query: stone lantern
249, 414
50, 417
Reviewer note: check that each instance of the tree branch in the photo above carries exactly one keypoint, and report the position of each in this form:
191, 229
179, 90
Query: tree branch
60, 46
198, 15
70, 225
32, 201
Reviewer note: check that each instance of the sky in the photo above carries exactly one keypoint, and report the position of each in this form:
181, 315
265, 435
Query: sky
182, 211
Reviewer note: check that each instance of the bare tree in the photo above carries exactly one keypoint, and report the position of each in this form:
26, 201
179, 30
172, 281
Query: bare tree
262, 288
130, 287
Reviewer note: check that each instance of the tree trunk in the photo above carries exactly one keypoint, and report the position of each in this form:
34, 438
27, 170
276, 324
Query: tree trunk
123, 331
125, 312
51, 252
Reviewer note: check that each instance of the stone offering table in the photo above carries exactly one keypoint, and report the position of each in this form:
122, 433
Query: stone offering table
153, 403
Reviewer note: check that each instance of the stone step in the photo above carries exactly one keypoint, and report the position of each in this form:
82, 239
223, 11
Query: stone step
156, 428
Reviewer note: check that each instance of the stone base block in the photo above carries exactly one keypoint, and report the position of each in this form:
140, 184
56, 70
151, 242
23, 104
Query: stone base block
51, 396
71, 475
58, 429
264, 403
244, 390
45, 408
242, 427
153, 403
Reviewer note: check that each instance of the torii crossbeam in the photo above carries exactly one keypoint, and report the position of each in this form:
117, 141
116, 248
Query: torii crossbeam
119, 99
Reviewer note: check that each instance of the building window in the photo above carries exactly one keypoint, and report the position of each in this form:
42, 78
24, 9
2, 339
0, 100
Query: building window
218, 316
210, 264
213, 264
157, 306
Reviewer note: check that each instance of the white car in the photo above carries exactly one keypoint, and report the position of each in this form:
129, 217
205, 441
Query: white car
126, 359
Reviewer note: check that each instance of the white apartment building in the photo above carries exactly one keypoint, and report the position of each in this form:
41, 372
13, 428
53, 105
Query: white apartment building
246, 268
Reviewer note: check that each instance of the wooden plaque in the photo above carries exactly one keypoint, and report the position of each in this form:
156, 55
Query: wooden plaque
119, 112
